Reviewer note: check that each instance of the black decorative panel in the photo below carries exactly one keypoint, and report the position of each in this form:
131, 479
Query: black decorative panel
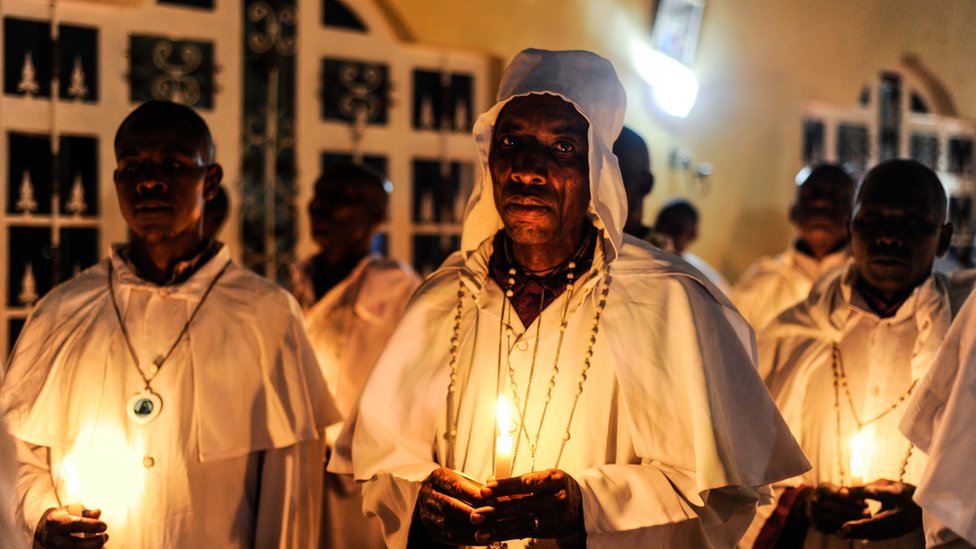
429, 251
813, 141
355, 91
442, 101
961, 156
79, 250
205, 4
335, 13
31, 266
925, 149
377, 163
269, 185
440, 191
29, 174
79, 175
852, 147
26, 57
181, 71
889, 116
79, 63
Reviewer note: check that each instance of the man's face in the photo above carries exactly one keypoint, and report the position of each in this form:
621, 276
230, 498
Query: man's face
162, 179
341, 227
540, 171
896, 233
822, 211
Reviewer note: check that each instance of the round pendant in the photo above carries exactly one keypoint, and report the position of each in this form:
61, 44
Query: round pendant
143, 407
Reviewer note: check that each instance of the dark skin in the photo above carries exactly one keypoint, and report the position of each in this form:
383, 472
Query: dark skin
343, 231
163, 177
821, 213
540, 175
898, 228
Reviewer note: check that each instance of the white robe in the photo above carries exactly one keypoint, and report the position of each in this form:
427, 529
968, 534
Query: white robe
773, 284
710, 273
939, 419
663, 442
881, 358
234, 457
349, 328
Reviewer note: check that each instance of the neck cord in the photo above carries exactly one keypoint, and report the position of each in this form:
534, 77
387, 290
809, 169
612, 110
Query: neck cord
158, 363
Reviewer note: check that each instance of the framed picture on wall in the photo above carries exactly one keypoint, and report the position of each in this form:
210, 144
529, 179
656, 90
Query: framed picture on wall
677, 24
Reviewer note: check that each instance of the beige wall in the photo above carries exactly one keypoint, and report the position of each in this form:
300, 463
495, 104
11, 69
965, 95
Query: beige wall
759, 62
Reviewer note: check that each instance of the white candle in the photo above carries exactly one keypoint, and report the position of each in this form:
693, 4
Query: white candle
503, 443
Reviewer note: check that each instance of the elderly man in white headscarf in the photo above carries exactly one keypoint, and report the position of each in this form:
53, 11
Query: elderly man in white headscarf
637, 416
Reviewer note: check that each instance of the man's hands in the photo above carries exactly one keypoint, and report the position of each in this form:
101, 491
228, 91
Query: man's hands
898, 516
59, 528
843, 511
544, 504
458, 511
445, 505
830, 506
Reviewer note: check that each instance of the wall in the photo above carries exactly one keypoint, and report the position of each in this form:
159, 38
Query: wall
759, 62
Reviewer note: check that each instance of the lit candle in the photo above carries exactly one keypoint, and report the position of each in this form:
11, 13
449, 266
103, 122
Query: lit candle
503, 444
860, 447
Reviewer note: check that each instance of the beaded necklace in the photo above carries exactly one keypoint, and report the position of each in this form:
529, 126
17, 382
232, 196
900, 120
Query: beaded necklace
453, 404
840, 381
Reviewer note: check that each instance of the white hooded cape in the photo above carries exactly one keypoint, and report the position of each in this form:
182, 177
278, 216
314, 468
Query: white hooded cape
673, 423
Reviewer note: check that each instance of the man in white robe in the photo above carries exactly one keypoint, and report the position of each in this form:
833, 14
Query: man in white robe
353, 300
939, 420
167, 397
841, 364
629, 378
820, 213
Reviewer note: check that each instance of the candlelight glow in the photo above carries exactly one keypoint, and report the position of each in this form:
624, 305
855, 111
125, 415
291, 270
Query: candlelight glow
860, 448
503, 444
102, 472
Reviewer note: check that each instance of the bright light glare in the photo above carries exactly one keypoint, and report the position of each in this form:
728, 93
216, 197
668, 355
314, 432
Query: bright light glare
675, 87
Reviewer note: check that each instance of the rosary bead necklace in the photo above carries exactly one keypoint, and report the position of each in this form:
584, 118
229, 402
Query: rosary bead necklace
840, 381
145, 406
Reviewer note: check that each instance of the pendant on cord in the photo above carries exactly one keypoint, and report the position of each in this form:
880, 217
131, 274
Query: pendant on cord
144, 406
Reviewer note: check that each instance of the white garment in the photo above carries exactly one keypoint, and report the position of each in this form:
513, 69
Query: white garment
710, 273
349, 328
880, 357
773, 284
662, 443
236, 449
939, 419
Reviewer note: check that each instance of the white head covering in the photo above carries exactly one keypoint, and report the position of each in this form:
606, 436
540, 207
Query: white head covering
589, 82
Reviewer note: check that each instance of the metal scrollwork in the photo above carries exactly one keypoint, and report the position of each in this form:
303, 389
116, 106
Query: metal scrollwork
176, 83
275, 23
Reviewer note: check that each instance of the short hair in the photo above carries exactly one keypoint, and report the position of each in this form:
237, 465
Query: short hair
675, 213
817, 173
634, 158
356, 185
903, 172
153, 114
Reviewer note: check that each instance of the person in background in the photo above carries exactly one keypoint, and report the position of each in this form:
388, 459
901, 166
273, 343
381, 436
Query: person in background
629, 379
678, 220
820, 215
167, 396
353, 300
841, 364
635, 169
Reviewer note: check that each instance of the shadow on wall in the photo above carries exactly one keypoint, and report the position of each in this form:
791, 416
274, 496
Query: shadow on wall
760, 232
